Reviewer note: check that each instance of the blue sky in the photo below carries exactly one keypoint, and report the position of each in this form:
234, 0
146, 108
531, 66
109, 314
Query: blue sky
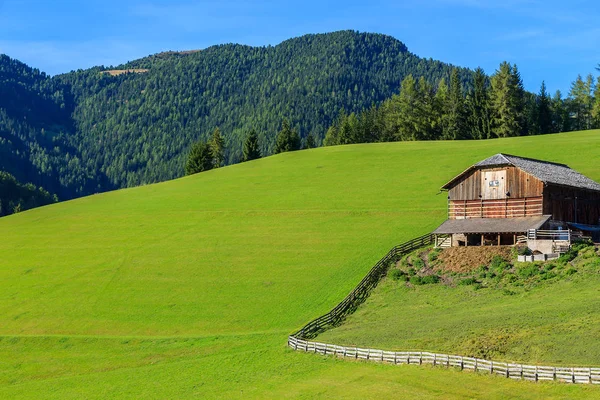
549, 40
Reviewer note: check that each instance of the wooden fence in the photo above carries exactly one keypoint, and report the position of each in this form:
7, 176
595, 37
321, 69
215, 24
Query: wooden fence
298, 340
362, 291
509, 370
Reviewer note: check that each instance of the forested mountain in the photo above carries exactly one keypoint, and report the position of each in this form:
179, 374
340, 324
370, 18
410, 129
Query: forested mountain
89, 131
103, 128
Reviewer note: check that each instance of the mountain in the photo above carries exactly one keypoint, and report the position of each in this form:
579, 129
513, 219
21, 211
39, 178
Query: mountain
103, 128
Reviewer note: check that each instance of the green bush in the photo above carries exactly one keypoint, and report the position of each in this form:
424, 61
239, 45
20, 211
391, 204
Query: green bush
529, 271
416, 280
418, 263
430, 279
508, 292
433, 255
468, 281
571, 271
396, 275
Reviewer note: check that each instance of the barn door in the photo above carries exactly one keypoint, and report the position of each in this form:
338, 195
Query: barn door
493, 185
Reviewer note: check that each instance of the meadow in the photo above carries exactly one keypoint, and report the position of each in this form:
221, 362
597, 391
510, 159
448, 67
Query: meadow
190, 287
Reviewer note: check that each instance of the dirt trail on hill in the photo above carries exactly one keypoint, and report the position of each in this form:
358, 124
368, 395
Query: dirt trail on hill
467, 259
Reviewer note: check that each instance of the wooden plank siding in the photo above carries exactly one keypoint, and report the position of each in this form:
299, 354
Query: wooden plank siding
572, 205
506, 208
518, 183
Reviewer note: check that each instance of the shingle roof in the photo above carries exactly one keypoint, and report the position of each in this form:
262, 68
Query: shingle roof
545, 171
491, 225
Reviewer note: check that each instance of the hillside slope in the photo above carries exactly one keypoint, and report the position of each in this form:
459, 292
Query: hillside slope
190, 287
95, 132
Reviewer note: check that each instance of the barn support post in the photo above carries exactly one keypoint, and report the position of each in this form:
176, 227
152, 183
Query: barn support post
498, 239
482, 239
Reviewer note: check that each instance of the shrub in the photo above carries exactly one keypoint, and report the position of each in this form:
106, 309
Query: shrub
508, 292
396, 275
418, 263
529, 271
430, 279
571, 271
433, 255
416, 280
468, 281
497, 262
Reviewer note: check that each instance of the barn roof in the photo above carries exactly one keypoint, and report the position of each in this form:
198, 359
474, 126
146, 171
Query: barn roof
546, 171
491, 225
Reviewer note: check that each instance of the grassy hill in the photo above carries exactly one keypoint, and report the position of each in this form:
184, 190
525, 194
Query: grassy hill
190, 287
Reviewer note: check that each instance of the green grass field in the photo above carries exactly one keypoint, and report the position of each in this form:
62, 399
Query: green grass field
190, 287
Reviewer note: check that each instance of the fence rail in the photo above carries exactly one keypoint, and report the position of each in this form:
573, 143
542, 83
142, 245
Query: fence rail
533, 373
298, 340
362, 290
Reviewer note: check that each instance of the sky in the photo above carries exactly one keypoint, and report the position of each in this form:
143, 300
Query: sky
548, 40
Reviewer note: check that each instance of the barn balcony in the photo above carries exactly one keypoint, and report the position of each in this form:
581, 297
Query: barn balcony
497, 208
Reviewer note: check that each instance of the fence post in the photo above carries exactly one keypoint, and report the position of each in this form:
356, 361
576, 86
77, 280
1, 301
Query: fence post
521, 365
462, 363
395, 358
572, 375
434, 359
420, 358
491, 367
536, 373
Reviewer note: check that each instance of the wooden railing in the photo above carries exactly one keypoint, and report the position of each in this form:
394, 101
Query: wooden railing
298, 340
504, 208
362, 290
509, 370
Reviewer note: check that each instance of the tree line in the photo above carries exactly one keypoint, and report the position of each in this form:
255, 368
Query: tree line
493, 107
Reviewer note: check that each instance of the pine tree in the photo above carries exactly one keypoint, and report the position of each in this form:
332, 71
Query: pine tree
251, 147
440, 101
479, 118
404, 110
310, 142
560, 114
596, 106
581, 101
544, 114
199, 159
455, 110
217, 148
287, 139
507, 101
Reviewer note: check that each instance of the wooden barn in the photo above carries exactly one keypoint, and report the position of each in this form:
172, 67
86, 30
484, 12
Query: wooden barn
505, 200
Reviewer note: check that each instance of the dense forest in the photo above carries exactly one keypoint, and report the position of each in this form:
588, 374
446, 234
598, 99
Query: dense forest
99, 129
16, 197
89, 130
493, 107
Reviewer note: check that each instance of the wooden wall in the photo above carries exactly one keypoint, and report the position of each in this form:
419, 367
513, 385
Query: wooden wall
562, 203
518, 183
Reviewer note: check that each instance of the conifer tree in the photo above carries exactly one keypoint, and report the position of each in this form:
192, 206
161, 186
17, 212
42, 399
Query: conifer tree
310, 142
596, 106
251, 149
199, 159
581, 101
560, 114
507, 101
479, 118
440, 101
217, 148
455, 110
544, 114
287, 139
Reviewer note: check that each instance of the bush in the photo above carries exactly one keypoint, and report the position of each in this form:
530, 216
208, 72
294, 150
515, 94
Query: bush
529, 271
571, 271
430, 279
433, 255
416, 280
508, 292
497, 262
418, 263
396, 275
468, 281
